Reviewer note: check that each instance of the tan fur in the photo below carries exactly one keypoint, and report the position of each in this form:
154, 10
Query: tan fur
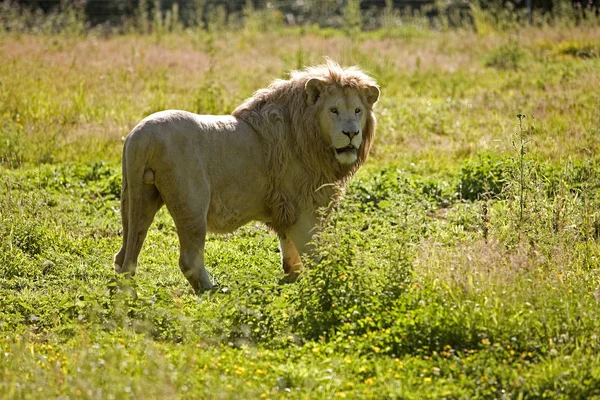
280, 156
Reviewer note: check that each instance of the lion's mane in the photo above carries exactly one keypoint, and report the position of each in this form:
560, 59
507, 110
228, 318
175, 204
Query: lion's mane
288, 126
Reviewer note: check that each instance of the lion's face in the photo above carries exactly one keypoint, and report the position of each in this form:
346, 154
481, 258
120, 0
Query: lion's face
342, 119
342, 116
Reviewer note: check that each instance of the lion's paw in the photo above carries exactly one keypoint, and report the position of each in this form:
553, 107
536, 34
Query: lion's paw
290, 278
215, 289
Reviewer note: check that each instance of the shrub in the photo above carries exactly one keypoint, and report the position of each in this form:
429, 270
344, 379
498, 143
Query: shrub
355, 278
577, 49
506, 57
485, 176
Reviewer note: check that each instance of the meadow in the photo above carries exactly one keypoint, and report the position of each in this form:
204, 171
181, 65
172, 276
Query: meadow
462, 263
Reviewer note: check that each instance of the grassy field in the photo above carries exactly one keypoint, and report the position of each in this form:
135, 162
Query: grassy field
463, 261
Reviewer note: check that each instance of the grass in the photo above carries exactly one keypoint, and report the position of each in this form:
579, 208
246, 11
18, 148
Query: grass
457, 266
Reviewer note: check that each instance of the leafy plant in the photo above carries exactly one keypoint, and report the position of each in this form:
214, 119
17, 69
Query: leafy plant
486, 176
508, 56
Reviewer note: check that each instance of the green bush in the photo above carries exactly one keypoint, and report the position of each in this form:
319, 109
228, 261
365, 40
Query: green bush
577, 49
486, 176
354, 279
506, 57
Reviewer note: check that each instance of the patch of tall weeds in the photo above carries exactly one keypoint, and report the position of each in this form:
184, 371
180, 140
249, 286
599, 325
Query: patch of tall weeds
508, 56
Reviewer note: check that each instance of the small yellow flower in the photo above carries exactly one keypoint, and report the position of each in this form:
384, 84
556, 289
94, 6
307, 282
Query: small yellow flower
347, 360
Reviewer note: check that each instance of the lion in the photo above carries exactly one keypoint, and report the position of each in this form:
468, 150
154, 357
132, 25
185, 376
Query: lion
282, 155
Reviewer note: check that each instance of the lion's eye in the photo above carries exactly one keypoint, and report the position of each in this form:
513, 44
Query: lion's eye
357, 111
334, 110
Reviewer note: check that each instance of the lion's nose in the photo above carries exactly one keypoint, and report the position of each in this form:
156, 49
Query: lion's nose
350, 134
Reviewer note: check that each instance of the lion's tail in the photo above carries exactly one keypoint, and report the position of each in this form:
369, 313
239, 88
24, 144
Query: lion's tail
120, 256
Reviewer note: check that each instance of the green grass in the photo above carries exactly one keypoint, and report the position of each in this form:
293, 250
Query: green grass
455, 267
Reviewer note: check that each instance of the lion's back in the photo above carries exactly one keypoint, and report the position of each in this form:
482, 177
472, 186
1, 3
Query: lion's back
173, 134
160, 128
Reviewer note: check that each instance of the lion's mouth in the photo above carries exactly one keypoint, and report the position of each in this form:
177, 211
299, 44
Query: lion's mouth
347, 149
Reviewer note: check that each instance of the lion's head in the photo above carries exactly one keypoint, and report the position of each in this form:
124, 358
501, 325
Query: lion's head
342, 114
321, 117
327, 109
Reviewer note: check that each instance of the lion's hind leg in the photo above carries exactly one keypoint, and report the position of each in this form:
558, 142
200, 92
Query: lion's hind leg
120, 256
139, 204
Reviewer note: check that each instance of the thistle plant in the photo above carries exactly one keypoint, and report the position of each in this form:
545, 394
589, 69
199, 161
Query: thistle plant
520, 143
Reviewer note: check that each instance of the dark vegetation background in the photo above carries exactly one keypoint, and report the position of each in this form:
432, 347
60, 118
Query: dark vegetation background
294, 12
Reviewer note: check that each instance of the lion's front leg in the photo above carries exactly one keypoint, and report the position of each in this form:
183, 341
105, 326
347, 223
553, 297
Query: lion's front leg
189, 215
294, 243
191, 259
290, 259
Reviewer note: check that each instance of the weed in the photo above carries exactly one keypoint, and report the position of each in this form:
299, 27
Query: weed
520, 145
487, 176
352, 17
142, 17
507, 56
577, 49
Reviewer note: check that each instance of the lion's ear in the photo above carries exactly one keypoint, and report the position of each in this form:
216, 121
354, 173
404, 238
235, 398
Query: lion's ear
372, 95
313, 88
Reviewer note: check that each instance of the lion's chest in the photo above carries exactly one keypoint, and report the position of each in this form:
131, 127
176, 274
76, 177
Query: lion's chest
225, 216
223, 219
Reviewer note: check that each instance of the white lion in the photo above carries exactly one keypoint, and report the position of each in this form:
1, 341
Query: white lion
278, 158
